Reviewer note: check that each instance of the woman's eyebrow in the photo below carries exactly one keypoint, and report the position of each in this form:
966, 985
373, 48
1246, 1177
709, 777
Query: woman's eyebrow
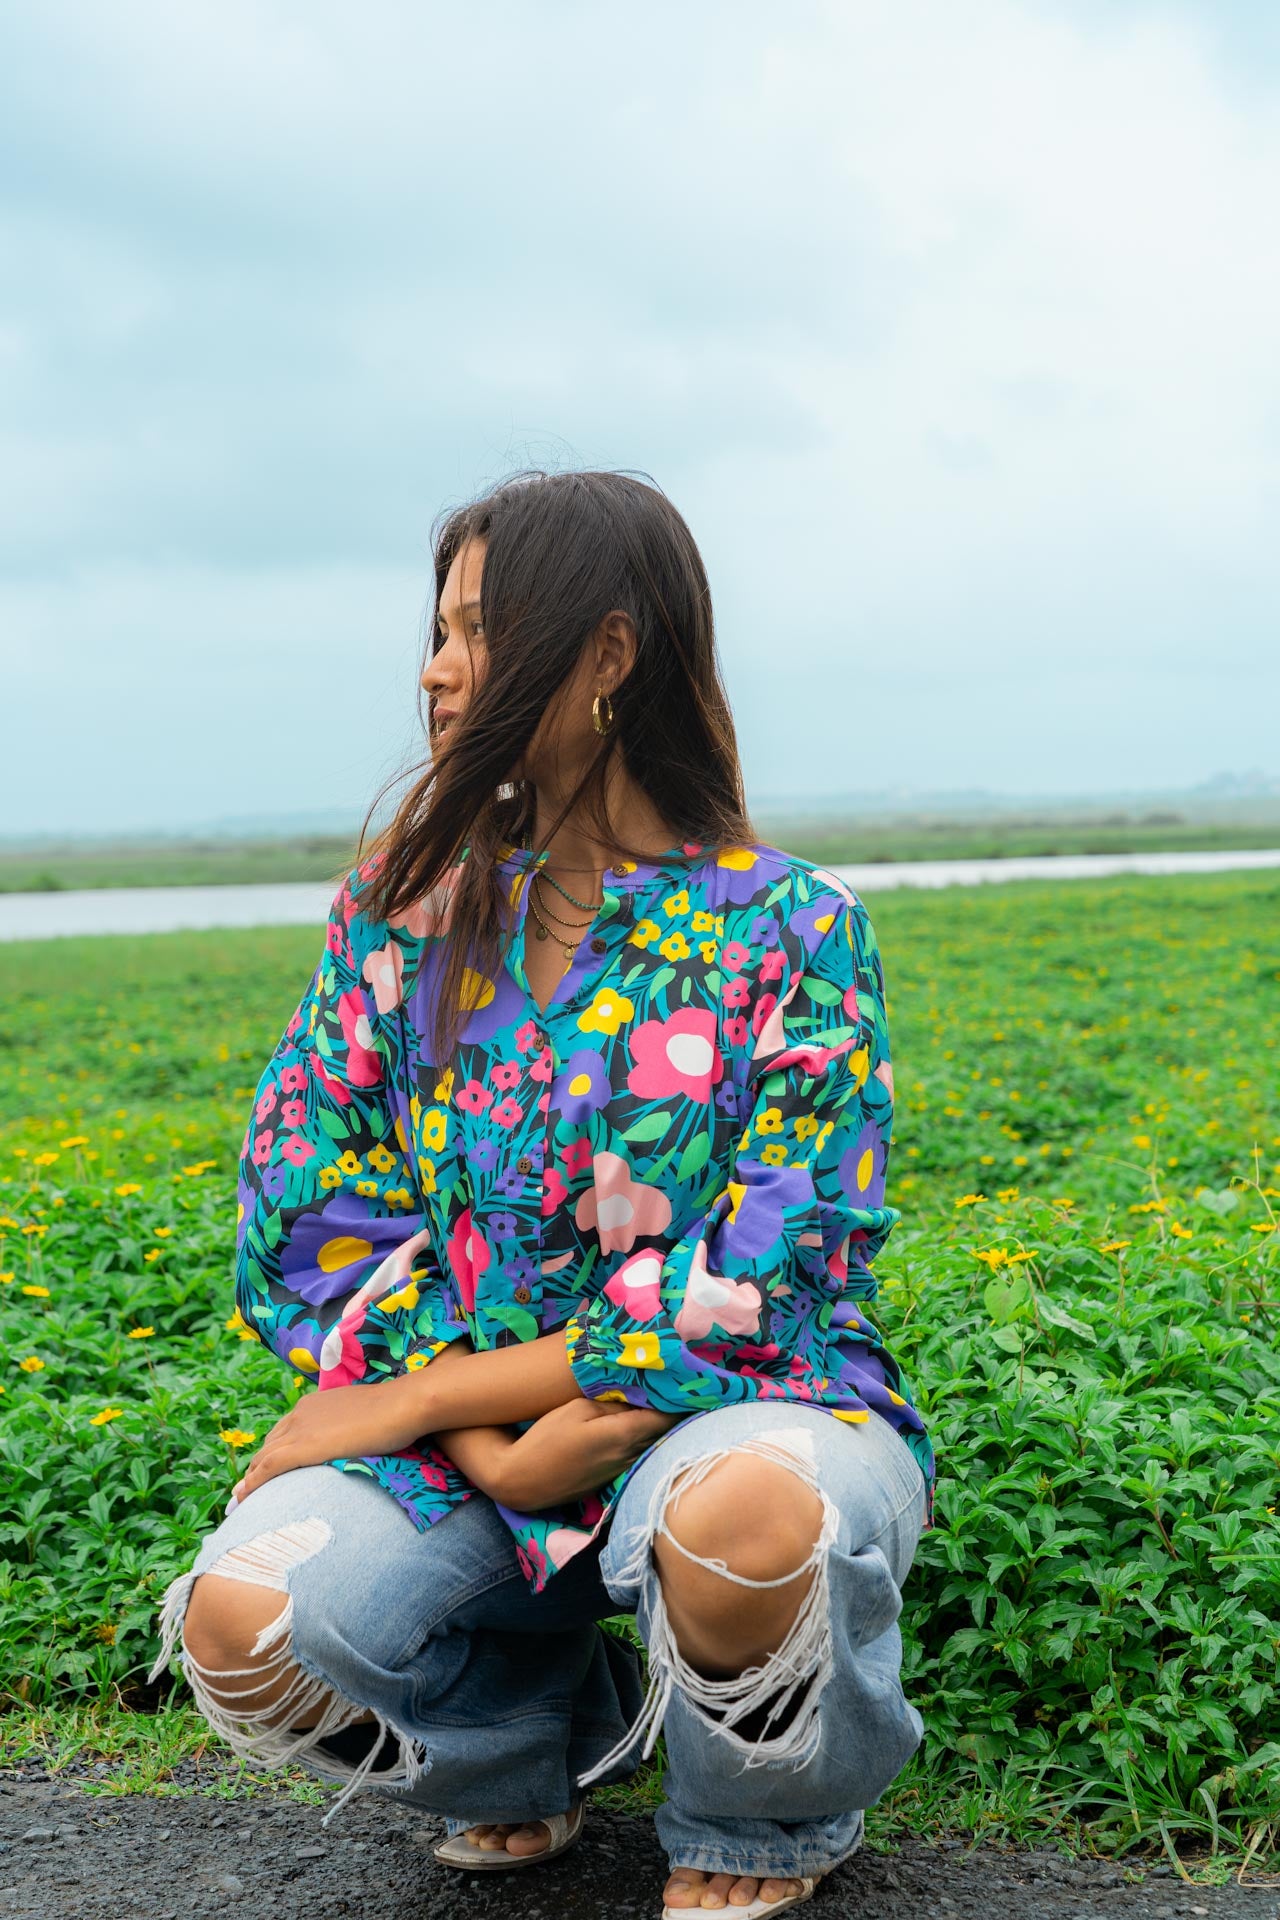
471, 606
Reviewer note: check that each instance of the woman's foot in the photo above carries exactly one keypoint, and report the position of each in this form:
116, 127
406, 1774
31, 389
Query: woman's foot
687, 1887
533, 1837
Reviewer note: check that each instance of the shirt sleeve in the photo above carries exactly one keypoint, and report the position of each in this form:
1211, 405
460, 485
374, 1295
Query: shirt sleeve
747, 1302
335, 1267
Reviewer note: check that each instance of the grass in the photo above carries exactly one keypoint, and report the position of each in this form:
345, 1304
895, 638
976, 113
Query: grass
1083, 1290
321, 857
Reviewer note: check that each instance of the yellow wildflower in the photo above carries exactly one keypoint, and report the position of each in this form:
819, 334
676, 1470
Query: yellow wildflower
1179, 1231
1114, 1246
993, 1257
32, 1364
141, 1333
152, 1253
106, 1632
162, 1233
108, 1413
76, 1140
130, 1186
970, 1199
38, 1293
45, 1159
1264, 1226
237, 1437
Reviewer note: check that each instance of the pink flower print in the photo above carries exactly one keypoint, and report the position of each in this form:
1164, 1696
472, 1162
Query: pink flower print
297, 1151
541, 1067
764, 1007
736, 1031
469, 1256
507, 1112
364, 1068
710, 1300
734, 956
526, 1036
533, 1563
735, 992
294, 1113
342, 1358
884, 1074
433, 913
506, 1075
576, 1156
474, 1097
335, 1088
619, 1207
265, 1104
564, 1542
544, 1103
293, 1079
384, 970
849, 1004
554, 1191
333, 939
772, 964
676, 1056
262, 1147
637, 1286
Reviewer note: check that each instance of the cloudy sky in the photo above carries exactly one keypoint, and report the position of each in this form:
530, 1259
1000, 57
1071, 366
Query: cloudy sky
951, 330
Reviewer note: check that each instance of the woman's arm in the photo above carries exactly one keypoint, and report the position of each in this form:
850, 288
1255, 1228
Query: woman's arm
457, 1390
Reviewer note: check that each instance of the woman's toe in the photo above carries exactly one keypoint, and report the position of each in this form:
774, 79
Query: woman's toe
716, 1891
534, 1837
743, 1892
492, 1839
778, 1889
684, 1888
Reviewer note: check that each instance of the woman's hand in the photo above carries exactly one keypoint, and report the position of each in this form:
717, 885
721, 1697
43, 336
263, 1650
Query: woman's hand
575, 1449
381, 1416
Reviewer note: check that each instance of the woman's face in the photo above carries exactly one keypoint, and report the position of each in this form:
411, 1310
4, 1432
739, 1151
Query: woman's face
565, 735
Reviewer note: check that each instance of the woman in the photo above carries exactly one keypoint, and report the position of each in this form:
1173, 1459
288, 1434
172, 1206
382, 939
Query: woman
563, 1186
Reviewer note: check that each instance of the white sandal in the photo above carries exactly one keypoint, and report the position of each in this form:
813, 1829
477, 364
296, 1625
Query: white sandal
757, 1908
564, 1828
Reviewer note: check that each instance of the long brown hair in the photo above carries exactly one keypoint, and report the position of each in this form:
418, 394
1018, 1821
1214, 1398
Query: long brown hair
562, 550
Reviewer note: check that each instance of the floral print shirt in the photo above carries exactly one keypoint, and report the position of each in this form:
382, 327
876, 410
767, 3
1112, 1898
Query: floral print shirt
680, 1163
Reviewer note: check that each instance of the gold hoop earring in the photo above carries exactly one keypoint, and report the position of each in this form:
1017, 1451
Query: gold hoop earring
605, 725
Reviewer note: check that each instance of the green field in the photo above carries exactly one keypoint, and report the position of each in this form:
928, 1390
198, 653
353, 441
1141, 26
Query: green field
194, 862
1083, 1290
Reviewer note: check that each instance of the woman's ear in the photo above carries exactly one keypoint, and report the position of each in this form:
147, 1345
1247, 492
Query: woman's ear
615, 650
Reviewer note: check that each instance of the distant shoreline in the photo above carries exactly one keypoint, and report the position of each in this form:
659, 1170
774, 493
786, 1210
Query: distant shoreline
323, 859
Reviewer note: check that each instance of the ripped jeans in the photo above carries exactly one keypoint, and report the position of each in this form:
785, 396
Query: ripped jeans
494, 1704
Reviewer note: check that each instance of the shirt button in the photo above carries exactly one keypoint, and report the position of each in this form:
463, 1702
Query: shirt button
524, 1164
598, 945
539, 1037
619, 873
523, 1295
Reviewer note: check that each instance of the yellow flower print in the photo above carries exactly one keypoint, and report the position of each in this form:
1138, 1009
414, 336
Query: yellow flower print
770, 1121
330, 1177
644, 933
720, 923
859, 1065
476, 991
415, 1107
640, 1350
435, 1128
674, 947
736, 1191
398, 1197
304, 1361
368, 1189
426, 1173
32, 1364
676, 905
405, 1297
710, 953
606, 1013
444, 1086
806, 1126
108, 1413
381, 1159
842, 1413
775, 1154
703, 922
350, 1163
737, 859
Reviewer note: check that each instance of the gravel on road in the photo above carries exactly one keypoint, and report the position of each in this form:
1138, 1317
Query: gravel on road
66, 1854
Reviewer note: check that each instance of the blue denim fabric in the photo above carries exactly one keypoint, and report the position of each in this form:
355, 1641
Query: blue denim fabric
514, 1695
